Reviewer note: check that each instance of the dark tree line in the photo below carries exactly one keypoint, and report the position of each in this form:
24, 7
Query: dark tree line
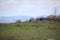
48, 18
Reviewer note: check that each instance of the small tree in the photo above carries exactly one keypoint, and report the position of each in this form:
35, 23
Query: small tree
18, 21
32, 20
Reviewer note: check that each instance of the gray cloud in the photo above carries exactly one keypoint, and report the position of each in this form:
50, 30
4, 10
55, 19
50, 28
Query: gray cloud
25, 6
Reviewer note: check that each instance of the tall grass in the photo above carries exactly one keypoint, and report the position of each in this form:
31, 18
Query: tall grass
30, 31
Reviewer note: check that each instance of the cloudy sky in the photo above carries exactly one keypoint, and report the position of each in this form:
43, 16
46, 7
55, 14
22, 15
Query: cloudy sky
27, 7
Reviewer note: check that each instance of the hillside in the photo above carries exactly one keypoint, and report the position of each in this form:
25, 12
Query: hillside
30, 31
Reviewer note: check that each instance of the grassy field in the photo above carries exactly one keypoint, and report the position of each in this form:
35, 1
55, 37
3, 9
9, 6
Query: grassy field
30, 31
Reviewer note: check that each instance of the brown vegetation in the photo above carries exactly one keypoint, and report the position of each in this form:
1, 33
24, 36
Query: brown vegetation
18, 21
48, 18
32, 20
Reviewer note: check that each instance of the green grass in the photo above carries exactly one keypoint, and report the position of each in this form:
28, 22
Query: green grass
30, 31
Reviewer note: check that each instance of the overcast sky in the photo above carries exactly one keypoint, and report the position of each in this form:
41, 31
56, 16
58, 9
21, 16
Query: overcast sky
27, 7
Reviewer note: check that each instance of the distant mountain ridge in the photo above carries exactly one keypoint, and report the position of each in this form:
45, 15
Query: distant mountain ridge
13, 19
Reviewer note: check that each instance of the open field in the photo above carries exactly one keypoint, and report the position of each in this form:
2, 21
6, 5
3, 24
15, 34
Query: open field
30, 31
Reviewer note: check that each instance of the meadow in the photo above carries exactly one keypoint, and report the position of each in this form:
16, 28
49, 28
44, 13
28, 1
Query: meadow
30, 31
